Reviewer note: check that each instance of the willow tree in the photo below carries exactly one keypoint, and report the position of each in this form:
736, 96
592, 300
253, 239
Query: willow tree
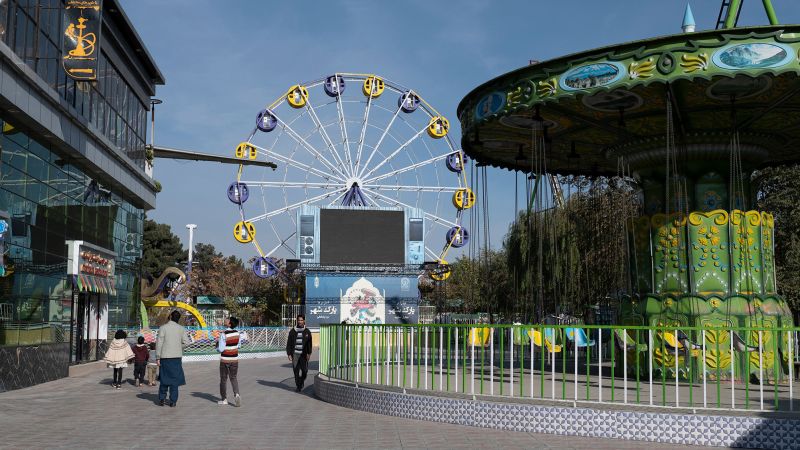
562, 259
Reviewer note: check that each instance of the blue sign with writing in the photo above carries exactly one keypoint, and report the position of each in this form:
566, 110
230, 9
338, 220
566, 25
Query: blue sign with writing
366, 299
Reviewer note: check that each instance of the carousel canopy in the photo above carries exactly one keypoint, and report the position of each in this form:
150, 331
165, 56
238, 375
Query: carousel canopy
597, 106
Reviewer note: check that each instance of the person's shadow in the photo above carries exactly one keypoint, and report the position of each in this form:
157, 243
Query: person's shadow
205, 395
286, 384
152, 396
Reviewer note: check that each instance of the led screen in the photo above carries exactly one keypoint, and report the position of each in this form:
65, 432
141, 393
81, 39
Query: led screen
359, 236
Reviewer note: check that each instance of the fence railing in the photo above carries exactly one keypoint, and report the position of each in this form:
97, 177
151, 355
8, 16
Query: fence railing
204, 340
744, 368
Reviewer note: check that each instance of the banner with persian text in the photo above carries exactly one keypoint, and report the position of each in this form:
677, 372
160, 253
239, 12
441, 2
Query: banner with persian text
361, 298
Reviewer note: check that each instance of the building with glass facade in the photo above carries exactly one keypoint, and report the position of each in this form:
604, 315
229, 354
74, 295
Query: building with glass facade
73, 190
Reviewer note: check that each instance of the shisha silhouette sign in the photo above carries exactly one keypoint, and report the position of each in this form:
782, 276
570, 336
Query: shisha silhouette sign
83, 19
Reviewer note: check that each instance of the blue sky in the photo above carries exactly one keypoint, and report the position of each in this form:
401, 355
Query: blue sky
224, 60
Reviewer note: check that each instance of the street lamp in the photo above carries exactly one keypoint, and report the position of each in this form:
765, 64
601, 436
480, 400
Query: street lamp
153, 103
191, 228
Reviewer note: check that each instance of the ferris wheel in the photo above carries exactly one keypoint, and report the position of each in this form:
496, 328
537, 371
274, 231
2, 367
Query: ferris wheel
349, 140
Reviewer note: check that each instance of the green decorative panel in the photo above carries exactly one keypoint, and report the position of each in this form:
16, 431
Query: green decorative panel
711, 193
669, 254
769, 356
718, 357
708, 238
745, 229
663, 356
768, 252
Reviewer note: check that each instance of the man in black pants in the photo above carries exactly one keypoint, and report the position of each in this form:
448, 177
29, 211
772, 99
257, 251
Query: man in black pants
298, 349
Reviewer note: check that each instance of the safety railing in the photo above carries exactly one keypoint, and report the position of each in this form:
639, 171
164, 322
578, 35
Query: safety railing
744, 368
203, 341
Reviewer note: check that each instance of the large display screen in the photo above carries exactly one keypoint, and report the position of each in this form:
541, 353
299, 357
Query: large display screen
353, 236
366, 299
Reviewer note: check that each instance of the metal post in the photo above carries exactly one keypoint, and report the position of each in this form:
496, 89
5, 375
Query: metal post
511, 361
600, 363
472, 361
491, 361
790, 347
456, 368
531, 367
650, 361
705, 388
624, 370
773, 18
411, 359
733, 372
733, 10
761, 368
426, 357
441, 357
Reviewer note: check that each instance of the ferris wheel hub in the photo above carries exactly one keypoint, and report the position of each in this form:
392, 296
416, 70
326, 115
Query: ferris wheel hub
353, 181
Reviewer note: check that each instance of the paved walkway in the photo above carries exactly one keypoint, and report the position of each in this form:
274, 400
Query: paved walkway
87, 412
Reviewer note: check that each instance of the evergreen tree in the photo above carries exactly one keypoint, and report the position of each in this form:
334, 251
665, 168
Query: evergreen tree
161, 248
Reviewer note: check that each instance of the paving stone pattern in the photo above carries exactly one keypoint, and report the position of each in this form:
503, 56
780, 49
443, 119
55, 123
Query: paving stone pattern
87, 413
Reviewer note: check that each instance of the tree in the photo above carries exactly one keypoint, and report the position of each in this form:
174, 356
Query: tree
778, 189
161, 248
563, 259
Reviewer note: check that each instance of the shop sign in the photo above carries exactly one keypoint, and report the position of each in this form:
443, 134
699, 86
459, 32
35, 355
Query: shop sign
82, 20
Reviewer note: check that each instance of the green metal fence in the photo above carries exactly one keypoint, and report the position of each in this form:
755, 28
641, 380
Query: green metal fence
685, 367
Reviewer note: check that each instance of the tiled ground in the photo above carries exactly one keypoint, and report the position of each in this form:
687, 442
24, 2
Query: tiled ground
86, 412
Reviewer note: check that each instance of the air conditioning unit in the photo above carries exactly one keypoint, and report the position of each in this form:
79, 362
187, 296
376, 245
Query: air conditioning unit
306, 237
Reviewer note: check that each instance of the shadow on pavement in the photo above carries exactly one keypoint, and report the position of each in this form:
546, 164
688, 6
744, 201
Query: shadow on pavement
312, 365
205, 395
282, 384
153, 397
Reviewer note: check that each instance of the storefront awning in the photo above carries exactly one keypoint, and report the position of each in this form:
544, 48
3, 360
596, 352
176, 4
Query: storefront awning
98, 285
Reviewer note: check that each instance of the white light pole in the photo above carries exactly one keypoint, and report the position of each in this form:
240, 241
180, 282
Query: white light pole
191, 228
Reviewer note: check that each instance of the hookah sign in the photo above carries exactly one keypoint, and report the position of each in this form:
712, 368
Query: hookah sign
83, 20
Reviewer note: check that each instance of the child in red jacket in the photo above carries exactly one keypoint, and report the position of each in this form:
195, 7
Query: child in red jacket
140, 354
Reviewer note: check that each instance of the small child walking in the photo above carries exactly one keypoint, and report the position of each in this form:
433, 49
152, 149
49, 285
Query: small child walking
152, 365
117, 356
140, 355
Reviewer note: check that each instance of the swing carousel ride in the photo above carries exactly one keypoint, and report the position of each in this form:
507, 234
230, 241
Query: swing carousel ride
685, 120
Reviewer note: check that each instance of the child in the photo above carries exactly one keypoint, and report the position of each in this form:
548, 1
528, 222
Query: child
152, 366
141, 354
117, 357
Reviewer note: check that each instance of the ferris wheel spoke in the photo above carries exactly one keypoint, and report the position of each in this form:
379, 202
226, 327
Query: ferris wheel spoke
325, 136
319, 156
395, 187
298, 164
432, 253
395, 202
408, 168
294, 184
337, 198
385, 132
295, 205
394, 153
283, 244
343, 128
363, 134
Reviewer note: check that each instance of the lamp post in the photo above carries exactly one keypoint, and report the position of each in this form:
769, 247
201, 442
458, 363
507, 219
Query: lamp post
153, 103
191, 228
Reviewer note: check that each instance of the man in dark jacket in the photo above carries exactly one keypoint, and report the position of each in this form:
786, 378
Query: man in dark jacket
298, 349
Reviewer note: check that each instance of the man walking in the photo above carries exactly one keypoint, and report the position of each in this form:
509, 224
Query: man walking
169, 353
228, 348
298, 349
